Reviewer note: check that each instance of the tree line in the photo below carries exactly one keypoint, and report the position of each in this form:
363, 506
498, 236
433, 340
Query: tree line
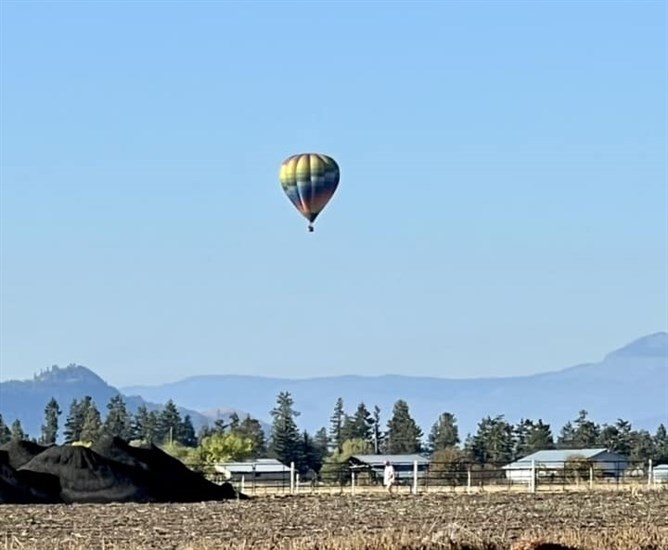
361, 431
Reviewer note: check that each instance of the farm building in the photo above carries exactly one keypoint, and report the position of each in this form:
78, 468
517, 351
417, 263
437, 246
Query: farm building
551, 463
261, 470
403, 465
660, 473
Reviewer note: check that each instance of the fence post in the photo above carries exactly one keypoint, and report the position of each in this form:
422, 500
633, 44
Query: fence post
292, 477
352, 482
650, 474
297, 483
243, 479
591, 477
532, 483
468, 479
415, 477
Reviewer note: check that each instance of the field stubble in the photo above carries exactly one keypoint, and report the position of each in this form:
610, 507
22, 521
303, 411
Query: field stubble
496, 521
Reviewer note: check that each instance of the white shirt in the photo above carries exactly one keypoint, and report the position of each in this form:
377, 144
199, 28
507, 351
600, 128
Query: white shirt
388, 475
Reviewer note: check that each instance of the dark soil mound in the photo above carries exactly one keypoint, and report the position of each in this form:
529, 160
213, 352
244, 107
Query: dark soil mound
21, 452
33, 488
87, 477
172, 480
11, 490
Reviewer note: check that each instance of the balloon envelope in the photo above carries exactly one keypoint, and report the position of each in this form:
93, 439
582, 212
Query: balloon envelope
309, 180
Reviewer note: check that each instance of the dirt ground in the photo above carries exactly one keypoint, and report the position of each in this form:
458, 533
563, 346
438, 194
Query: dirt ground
235, 524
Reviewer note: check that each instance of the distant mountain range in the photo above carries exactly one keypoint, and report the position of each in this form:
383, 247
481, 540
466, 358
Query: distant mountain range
629, 383
26, 399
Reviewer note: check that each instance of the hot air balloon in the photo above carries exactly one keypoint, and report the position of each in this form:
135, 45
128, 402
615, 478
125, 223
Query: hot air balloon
309, 180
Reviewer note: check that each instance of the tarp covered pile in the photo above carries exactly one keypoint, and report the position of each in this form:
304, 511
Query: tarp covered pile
110, 471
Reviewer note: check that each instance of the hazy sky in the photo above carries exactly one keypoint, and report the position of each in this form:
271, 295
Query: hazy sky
502, 210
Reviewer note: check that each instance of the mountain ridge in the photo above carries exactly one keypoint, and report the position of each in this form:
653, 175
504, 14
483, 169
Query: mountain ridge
26, 399
599, 387
602, 388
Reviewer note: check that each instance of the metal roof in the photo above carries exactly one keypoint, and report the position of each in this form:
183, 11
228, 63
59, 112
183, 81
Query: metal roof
395, 460
259, 466
558, 456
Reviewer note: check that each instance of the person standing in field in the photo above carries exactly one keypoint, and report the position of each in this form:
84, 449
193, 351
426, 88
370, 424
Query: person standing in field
388, 476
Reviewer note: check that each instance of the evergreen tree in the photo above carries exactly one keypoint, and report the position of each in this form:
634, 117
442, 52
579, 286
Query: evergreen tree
5, 432
92, 425
361, 424
219, 428
403, 434
642, 447
377, 435
186, 435
50, 427
17, 433
146, 425
348, 428
336, 423
539, 437
234, 422
661, 445
444, 433
169, 422
566, 439
286, 444
118, 422
252, 429
313, 454
74, 422
321, 441
520, 437
617, 437
586, 432
492, 443
530, 436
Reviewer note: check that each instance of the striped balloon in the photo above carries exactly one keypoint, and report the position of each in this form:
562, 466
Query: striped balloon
309, 180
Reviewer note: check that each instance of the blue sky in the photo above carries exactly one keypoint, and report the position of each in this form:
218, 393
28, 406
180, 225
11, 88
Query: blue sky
502, 210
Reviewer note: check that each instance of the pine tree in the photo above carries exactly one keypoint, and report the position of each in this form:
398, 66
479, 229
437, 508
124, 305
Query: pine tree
50, 427
642, 447
74, 422
566, 439
5, 432
403, 434
92, 424
313, 454
169, 422
520, 436
377, 435
252, 429
361, 424
286, 444
348, 428
186, 433
234, 422
145, 426
444, 433
660, 444
539, 437
336, 422
492, 443
118, 422
586, 432
17, 433
321, 441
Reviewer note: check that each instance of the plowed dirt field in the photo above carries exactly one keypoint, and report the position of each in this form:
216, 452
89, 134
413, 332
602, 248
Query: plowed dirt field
270, 522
